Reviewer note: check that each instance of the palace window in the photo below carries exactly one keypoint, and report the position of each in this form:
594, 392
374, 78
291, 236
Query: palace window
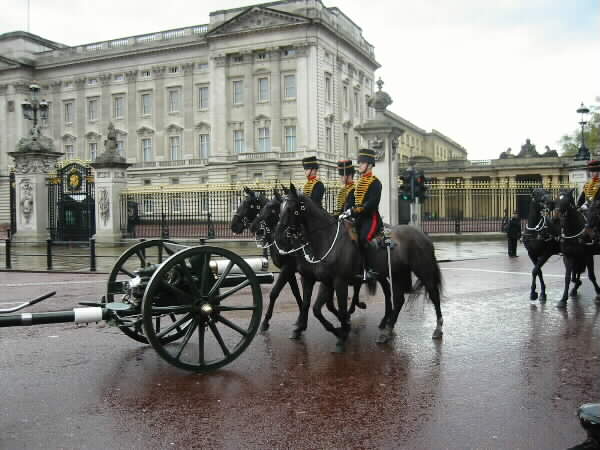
146, 103
175, 147
118, 107
289, 86
264, 139
238, 141
328, 88
263, 89
174, 100
69, 151
92, 109
147, 149
290, 139
68, 109
93, 150
238, 97
346, 97
328, 139
203, 97
120, 148
203, 146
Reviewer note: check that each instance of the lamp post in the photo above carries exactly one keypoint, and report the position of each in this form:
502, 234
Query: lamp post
583, 154
34, 107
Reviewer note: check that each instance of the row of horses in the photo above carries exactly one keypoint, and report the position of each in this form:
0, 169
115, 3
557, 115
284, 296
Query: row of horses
303, 238
559, 227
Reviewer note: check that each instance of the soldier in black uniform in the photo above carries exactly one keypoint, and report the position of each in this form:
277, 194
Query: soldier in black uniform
314, 188
513, 232
591, 188
365, 207
345, 197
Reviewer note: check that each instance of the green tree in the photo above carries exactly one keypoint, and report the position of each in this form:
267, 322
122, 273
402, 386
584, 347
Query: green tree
569, 143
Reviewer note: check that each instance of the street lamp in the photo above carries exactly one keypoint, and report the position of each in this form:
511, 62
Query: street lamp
33, 106
583, 154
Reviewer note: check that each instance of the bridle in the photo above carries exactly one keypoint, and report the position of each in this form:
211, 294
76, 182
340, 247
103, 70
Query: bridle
253, 210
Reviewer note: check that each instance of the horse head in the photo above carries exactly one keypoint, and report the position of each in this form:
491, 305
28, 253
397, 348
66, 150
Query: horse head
292, 217
247, 211
265, 221
565, 202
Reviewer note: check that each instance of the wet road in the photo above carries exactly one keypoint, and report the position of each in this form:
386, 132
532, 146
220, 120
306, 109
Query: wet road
506, 375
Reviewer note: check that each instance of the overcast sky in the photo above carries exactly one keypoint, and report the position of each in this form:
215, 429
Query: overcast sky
487, 73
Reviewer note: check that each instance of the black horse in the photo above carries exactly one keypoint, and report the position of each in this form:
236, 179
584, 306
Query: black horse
576, 245
541, 238
326, 252
246, 213
263, 226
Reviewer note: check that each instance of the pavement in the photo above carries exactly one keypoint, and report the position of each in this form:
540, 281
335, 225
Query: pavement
507, 374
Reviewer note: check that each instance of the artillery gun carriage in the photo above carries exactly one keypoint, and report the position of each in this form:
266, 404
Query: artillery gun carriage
198, 307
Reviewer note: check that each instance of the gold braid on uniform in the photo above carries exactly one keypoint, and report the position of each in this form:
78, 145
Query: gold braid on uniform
343, 195
591, 188
309, 186
361, 190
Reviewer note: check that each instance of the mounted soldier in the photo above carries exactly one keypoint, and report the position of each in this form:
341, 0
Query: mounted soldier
365, 207
345, 197
314, 188
591, 188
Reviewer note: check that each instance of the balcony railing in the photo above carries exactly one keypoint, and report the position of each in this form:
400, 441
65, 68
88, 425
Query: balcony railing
121, 43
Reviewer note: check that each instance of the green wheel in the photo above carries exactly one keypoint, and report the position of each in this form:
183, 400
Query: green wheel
215, 297
144, 254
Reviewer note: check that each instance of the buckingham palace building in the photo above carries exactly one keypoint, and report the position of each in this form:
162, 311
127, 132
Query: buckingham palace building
242, 98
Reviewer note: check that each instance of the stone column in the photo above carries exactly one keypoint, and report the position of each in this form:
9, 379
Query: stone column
105, 101
132, 150
578, 174
110, 173
276, 101
382, 134
80, 118
34, 159
187, 146
158, 72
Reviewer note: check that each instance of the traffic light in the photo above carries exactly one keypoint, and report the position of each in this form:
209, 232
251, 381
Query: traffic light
420, 188
406, 189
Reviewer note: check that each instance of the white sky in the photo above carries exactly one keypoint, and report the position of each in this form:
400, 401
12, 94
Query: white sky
487, 73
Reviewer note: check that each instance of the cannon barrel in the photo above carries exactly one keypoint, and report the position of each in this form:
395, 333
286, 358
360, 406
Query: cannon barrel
77, 315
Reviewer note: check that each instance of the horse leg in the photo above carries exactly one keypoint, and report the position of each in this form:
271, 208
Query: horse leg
385, 287
562, 303
294, 286
576, 277
285, 276
398, 300
533, 294
356, 298
544, 258
592, 277
341, 291
324, 295
307, 288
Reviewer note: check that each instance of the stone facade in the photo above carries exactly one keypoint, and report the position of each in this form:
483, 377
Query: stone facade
244, 97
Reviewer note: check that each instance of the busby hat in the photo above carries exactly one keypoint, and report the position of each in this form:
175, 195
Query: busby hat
366, 155
310, 162
594, 165
345, 167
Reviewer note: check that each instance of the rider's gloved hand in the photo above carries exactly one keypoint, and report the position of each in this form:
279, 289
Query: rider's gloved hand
346, 214
584, 207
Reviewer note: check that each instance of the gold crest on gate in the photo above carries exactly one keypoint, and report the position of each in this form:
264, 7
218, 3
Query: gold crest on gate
74, 180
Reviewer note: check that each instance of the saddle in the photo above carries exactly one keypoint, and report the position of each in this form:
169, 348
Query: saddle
381, 240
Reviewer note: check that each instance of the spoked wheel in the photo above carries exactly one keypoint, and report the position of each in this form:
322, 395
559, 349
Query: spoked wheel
142, 255
216, 299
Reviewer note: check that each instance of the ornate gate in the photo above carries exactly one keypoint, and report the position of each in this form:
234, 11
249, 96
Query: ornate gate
71, 206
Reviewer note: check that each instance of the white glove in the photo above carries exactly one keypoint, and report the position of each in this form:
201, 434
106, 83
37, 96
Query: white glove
346, 214
584, 207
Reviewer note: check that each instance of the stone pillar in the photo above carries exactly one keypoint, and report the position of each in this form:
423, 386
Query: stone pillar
382, 134
132, 150
468, 213
276, 101
158, 72
187, 146
578, 174
110, 173
34, 159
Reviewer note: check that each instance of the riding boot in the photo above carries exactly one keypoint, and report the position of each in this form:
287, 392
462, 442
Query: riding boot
367, 273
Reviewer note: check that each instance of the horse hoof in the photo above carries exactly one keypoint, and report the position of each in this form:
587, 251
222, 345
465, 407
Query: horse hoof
533, 296
383, 338
573, 293
561, 304
437, 334
361, 305
264, 327
340, 346
382, 324
296, 334
597, 300
543, 298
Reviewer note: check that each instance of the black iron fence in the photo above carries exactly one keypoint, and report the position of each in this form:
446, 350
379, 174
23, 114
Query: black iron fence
185, 211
